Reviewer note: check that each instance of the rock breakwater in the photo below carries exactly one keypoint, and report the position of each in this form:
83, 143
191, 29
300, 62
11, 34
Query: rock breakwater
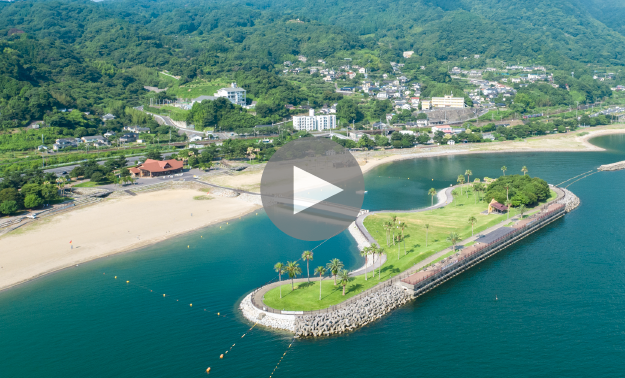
352, 316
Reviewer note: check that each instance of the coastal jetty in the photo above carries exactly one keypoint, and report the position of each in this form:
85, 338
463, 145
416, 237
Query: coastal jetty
374, 303
613, 167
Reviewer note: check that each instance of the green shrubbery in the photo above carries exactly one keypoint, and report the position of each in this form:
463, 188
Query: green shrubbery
522, 190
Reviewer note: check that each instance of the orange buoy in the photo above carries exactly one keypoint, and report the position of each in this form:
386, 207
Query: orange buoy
217, 314
115, 277
127, 281
163, 295
221, 356
208, 370
190, 304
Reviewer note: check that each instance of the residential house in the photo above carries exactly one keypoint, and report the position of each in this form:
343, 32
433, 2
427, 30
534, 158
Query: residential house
195, 138
95, 140
137, 129
109, 134
107, 117
313, 122
63, 143
128, 138
233, 93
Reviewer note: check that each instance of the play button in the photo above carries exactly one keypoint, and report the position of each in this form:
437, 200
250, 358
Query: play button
312, 188
309, 190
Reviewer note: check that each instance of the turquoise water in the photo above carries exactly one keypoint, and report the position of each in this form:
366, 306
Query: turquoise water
559, 311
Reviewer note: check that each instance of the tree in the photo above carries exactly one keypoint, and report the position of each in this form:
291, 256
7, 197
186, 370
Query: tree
344, 278
427, 228
334, 266
279, 268
307, 256
403, 226
453, 238
381, 251
524, 170
522, 210
432, 192
468, 173
320, 271
154, 155
97, 177
32, 200
509, 204
460, 182
293, 270
8, 207
365, 253
365, 142
473, 221
504, 169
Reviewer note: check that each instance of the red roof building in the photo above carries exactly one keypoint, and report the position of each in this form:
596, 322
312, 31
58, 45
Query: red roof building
154, 168
496, 207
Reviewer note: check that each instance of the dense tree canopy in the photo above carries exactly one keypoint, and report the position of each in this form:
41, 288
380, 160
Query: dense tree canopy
521, 189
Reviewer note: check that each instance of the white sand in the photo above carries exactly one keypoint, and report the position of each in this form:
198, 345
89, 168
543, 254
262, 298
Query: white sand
106, 228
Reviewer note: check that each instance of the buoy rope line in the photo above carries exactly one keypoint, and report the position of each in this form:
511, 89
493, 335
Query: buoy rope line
585, 173
219, 313
282, 358
580, 179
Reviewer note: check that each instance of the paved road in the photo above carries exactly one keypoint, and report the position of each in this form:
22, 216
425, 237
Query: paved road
131, 161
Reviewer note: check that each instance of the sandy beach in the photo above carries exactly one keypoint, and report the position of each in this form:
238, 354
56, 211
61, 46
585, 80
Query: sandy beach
106, 228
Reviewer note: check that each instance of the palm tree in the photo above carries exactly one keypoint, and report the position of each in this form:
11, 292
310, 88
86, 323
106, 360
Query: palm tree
522, 210
524, 170
381, 252
427, 228
453, 238
504, 169
279, 268
393, 221
403, 226
476, 188
344, 278
461, 182
472, 220
307, 256
334, 266
432, 192
293, 269
388, 226
509, 204
398, 246
365, 252
468, 173
320, 271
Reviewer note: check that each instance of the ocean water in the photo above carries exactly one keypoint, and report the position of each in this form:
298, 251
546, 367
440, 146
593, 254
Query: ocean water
560, 309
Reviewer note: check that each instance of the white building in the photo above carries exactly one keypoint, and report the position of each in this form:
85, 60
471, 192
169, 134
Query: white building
311, 122
448, 102
235, 94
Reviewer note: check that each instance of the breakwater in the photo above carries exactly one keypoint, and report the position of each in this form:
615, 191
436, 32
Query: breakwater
613, 167
388, 295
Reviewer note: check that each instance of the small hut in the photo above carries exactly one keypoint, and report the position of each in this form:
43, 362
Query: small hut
496, 207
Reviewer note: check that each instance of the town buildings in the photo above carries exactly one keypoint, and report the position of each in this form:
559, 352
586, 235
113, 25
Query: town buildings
313, 122
448, 101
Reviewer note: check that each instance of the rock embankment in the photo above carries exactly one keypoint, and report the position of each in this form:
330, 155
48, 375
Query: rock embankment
354, 315
255, 315
570, 200
613, 167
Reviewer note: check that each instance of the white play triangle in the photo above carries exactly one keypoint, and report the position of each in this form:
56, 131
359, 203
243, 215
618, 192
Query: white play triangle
309, 190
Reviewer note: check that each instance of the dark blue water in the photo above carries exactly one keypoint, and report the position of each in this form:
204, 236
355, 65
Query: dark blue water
560, 308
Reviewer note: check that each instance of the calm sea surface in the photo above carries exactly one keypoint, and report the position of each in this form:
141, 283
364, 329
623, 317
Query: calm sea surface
560, 308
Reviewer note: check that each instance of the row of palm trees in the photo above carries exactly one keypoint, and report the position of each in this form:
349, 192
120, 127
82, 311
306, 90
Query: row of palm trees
292, 268
524, 170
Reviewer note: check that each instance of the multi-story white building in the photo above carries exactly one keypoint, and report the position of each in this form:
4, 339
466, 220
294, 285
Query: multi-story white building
235, 94
448, 102
311, 122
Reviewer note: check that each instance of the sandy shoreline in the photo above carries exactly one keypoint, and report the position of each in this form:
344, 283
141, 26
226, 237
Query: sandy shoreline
110, 227
129, 223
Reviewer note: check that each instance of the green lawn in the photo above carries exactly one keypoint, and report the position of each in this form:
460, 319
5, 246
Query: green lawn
198, 88
451, 218
88, 184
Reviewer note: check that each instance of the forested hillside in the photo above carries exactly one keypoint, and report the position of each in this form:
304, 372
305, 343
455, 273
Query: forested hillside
97, 57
